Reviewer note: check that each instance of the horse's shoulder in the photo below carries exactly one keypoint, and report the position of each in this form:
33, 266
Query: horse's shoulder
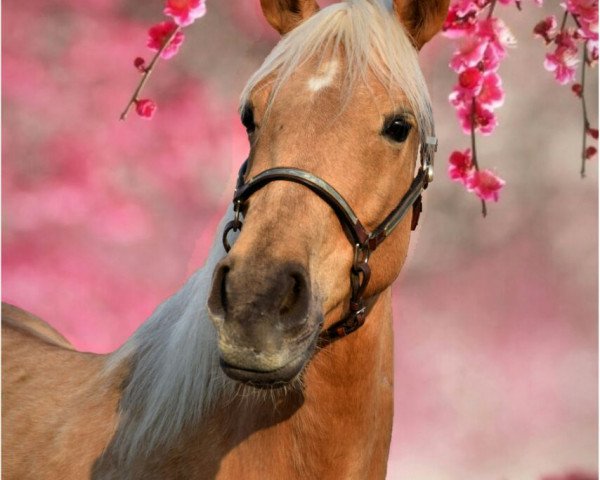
16, 322
56, 401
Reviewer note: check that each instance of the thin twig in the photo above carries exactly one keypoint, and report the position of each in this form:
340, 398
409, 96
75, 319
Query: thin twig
146, 74
564, 21
491, 10
586, 121
474, 153
574, 17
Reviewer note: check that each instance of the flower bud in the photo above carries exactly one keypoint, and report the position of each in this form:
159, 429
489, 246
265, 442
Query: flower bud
140, 64
145, 108
590, 152
577, 89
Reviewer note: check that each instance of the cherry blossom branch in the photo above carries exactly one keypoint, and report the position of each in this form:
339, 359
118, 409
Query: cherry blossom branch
586, 121
474, 153
147, 71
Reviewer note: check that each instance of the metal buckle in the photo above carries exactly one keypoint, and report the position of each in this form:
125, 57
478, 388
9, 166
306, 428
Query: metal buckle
237, 206
432, 142
428, 168
234, 225
358, 249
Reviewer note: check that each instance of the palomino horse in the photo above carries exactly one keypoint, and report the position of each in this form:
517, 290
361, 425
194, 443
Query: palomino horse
256, 368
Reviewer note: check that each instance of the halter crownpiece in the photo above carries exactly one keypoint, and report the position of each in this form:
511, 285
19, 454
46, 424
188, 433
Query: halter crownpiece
364, 242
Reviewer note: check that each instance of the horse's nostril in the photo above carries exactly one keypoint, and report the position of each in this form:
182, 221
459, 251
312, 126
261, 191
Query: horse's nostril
294, 296
290, 297
224, 288
218, 301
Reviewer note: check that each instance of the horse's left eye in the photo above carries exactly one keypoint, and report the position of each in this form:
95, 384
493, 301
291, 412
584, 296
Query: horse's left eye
248, 119
397, 129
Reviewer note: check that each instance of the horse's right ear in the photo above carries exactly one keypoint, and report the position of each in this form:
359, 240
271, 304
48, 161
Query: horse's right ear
285, 15
422, 18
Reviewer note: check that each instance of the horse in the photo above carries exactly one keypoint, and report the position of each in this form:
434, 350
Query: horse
275, 359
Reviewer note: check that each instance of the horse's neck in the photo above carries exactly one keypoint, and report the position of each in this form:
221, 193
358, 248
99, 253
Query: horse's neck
338, 427
179, 406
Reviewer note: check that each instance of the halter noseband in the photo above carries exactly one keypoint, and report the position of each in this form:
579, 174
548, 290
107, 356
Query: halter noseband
364, 241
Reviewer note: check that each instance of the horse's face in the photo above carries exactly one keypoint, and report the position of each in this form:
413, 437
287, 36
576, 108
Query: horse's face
287, 275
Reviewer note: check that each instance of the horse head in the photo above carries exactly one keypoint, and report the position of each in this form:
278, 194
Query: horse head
340, 102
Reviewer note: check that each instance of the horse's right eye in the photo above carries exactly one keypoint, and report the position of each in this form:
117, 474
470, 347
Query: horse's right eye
397, 129
248, 119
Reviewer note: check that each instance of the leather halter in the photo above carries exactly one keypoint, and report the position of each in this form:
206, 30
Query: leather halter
364, 241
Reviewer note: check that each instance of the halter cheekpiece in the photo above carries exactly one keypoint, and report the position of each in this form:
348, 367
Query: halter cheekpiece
364, 242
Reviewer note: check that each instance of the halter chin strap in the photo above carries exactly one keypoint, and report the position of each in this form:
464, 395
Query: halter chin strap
364, 241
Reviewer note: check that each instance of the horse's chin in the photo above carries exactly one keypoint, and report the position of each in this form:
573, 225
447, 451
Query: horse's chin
278, 378
246, 370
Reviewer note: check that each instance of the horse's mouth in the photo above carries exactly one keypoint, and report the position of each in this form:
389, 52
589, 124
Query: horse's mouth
263, 376
277, 378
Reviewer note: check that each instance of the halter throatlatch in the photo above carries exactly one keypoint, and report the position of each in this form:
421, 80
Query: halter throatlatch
364, 242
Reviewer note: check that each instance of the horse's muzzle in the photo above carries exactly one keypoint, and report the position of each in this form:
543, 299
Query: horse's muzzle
263, 313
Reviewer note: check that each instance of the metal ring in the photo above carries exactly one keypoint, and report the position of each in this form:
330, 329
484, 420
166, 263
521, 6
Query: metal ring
234, 225
358, 248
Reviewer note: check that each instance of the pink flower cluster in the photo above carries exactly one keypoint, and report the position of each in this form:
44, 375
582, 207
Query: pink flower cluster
158, 39
482, 44
165, 38
563, 60
485, 184
185, 12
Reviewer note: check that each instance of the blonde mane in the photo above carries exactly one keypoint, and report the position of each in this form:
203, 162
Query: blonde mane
370, 37
175, 376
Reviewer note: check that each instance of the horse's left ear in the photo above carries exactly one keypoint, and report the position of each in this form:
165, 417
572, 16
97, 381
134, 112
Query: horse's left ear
285, 15
422, 18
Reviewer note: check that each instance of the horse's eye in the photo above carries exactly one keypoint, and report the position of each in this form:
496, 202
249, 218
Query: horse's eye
248, 119
397, 129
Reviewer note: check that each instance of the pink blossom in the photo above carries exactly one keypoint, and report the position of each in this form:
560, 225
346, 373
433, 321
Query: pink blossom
486, 88
491, 94
490, 60
563, 60
145, 108
159, 34
485, 184
586, 12
461, 19
484, 47
592, 52
497, 34
546, 28
471, 79
469, 54
459, 97
469, 85
461, 166
185, 12
482, 119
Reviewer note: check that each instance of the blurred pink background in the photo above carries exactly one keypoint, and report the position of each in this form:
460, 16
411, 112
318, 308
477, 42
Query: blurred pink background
495, 320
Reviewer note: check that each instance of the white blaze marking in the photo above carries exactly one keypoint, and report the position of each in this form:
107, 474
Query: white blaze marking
324, 77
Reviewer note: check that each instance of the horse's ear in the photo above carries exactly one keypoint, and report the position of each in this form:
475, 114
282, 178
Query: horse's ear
285, 15
422, 18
